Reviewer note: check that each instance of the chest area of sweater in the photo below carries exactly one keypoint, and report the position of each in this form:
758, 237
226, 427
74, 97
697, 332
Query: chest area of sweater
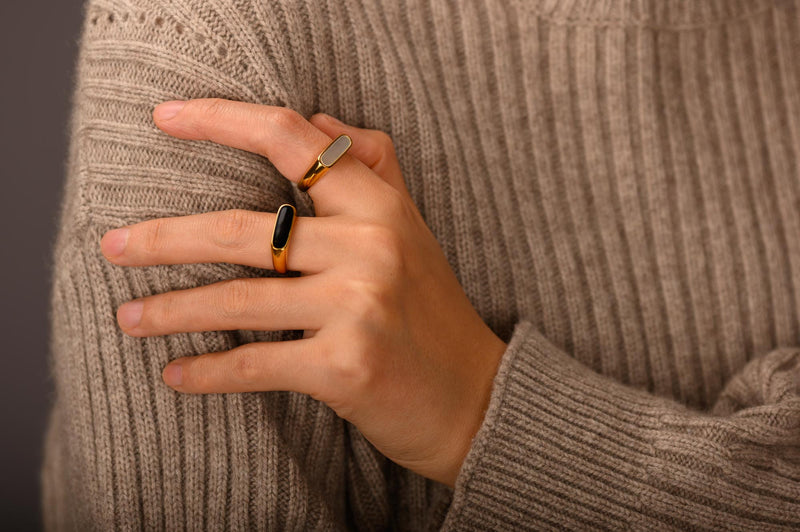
631, 190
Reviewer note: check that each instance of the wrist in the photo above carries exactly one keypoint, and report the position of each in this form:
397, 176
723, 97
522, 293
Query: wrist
478, 400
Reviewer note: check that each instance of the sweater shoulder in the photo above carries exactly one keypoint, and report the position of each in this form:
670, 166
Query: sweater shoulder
247, 43
135, 54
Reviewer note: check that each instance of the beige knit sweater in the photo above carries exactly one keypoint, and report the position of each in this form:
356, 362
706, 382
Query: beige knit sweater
616, 184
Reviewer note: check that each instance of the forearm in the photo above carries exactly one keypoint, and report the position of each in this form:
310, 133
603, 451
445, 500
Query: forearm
565, 446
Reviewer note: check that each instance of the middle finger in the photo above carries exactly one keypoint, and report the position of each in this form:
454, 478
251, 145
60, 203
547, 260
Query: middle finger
236, 236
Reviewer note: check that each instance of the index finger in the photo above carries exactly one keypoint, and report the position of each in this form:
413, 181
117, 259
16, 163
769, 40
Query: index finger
284, 136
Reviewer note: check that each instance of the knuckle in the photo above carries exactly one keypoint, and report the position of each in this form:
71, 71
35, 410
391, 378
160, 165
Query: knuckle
386, 248
287, 120
380, 301
379, 235
384, 153
157, 312
369, 301
385, 142
245, 367
231, 228
279, 121
233, 299
352, 367
397, 207
153, 236
197, 373
209, 108
327, 389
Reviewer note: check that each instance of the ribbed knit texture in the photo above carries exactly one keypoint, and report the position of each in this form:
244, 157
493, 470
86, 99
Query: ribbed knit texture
615, 184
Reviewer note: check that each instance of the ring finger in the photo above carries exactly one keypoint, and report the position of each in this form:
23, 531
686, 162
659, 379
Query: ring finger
264, 304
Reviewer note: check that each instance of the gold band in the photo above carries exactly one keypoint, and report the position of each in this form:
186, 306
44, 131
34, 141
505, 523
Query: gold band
325, 160
279, 260
281, 233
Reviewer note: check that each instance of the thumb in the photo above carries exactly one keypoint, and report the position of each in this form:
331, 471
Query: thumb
372, 147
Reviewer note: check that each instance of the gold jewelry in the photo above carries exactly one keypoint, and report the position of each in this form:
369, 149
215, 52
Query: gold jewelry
325, 160
284, 223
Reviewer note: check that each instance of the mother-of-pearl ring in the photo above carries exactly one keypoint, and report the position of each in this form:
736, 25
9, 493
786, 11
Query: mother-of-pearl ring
284, 222
325, 160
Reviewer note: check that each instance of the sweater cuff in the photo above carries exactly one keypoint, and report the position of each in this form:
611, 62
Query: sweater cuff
560, 445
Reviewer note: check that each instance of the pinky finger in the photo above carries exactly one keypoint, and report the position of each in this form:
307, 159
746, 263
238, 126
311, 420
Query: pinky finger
258, 366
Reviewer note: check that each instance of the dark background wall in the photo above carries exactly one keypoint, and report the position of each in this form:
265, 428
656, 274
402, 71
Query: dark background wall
38, 43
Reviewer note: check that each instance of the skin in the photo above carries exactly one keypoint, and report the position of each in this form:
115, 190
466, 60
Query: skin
392, 344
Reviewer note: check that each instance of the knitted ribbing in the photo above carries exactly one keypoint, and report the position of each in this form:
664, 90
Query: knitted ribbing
615, 184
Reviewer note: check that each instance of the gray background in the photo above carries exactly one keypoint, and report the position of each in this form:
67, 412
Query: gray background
38, 45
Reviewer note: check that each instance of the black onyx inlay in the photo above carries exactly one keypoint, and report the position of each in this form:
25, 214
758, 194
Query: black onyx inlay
283, 224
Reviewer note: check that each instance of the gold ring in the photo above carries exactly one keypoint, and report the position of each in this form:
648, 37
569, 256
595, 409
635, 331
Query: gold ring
326, 159
284, 222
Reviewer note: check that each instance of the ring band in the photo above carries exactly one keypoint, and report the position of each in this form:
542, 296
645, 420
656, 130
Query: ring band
325, 160
284, 222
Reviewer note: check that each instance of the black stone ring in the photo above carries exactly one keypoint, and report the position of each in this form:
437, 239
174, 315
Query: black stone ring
284, 221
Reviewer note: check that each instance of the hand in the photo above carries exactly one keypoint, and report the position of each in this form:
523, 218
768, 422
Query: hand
392, 344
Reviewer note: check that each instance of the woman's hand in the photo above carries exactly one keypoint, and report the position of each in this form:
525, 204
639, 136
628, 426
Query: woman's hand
392, 343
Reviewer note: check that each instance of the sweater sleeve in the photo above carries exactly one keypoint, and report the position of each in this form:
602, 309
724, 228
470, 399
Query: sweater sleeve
562, 446
123, 450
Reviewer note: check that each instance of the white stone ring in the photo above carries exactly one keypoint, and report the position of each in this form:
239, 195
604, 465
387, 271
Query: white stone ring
326, 159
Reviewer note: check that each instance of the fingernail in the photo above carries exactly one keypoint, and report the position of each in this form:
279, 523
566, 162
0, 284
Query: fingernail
173, 375
113, 242
166, 110
130, 314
